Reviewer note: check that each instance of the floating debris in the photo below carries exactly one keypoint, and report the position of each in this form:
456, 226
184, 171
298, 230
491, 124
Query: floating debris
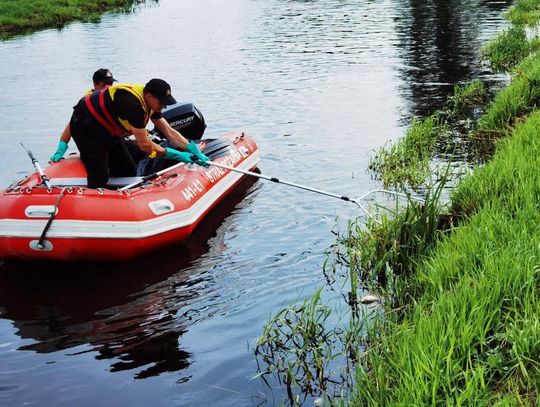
369, 299
318, 402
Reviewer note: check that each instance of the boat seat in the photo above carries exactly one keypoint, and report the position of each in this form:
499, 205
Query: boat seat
114, 182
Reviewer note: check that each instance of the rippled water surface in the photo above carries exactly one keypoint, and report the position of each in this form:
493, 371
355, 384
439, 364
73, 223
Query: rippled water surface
319, 84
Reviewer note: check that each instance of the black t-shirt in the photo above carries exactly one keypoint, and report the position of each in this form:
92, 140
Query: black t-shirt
127, 106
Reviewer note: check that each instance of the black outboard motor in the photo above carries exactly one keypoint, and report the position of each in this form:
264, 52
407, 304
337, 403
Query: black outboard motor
186, 119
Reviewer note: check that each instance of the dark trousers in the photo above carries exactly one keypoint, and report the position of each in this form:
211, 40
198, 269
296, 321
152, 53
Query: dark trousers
103, 155
147, 166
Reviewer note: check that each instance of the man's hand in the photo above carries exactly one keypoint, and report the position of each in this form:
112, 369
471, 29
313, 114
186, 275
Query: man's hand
60, 151
182, 156
201, 159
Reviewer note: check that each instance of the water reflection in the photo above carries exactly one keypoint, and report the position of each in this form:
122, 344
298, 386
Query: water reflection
132, 312
438, 44
319, 84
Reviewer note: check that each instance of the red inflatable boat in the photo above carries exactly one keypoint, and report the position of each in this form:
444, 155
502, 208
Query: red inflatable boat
72, 222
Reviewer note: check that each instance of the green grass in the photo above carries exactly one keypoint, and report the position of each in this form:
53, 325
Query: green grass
406, 163
460, 323
507, 49
466, 99
524, 12
464, 324
472, 336
390, 249
24, 16
513, 103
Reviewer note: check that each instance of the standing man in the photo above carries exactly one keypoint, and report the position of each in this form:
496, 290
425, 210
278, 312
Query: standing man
100, 120
102, 78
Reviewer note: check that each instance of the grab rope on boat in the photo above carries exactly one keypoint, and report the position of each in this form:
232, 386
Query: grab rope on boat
41, 241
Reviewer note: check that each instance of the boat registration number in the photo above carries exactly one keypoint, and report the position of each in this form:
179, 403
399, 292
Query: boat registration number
192, 190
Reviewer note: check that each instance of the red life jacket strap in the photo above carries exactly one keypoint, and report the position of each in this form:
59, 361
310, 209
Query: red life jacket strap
119, 130
109, 124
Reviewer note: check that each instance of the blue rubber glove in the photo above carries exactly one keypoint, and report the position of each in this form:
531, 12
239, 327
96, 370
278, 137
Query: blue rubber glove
201, 159
182, 156
60, 151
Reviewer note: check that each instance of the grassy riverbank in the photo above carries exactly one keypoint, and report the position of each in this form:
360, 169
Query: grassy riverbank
464, 326
460, 319
470, 333
25, 16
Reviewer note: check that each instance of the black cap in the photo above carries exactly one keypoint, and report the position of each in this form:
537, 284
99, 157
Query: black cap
160, 89
103, 75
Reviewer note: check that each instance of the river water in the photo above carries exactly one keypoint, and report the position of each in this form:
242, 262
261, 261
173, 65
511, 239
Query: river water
320, 85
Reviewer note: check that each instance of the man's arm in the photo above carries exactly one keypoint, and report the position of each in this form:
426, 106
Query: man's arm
145, 144
153, 149
66, 134
191, 149
62, 145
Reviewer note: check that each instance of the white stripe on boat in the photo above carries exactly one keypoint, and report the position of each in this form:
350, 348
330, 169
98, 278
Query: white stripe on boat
125, 229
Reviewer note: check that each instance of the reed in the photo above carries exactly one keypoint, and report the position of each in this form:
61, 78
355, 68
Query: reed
409, 163
406, 163
506, 50
299, 346
524, 13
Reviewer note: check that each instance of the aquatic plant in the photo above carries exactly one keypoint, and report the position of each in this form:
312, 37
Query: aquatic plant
506, 50
301, 346
406, 163
524, 13
410, 163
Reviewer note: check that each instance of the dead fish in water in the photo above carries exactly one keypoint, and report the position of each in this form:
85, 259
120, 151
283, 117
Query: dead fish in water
369, 299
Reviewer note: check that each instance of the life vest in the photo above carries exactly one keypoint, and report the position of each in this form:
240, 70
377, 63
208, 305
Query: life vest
99, 106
